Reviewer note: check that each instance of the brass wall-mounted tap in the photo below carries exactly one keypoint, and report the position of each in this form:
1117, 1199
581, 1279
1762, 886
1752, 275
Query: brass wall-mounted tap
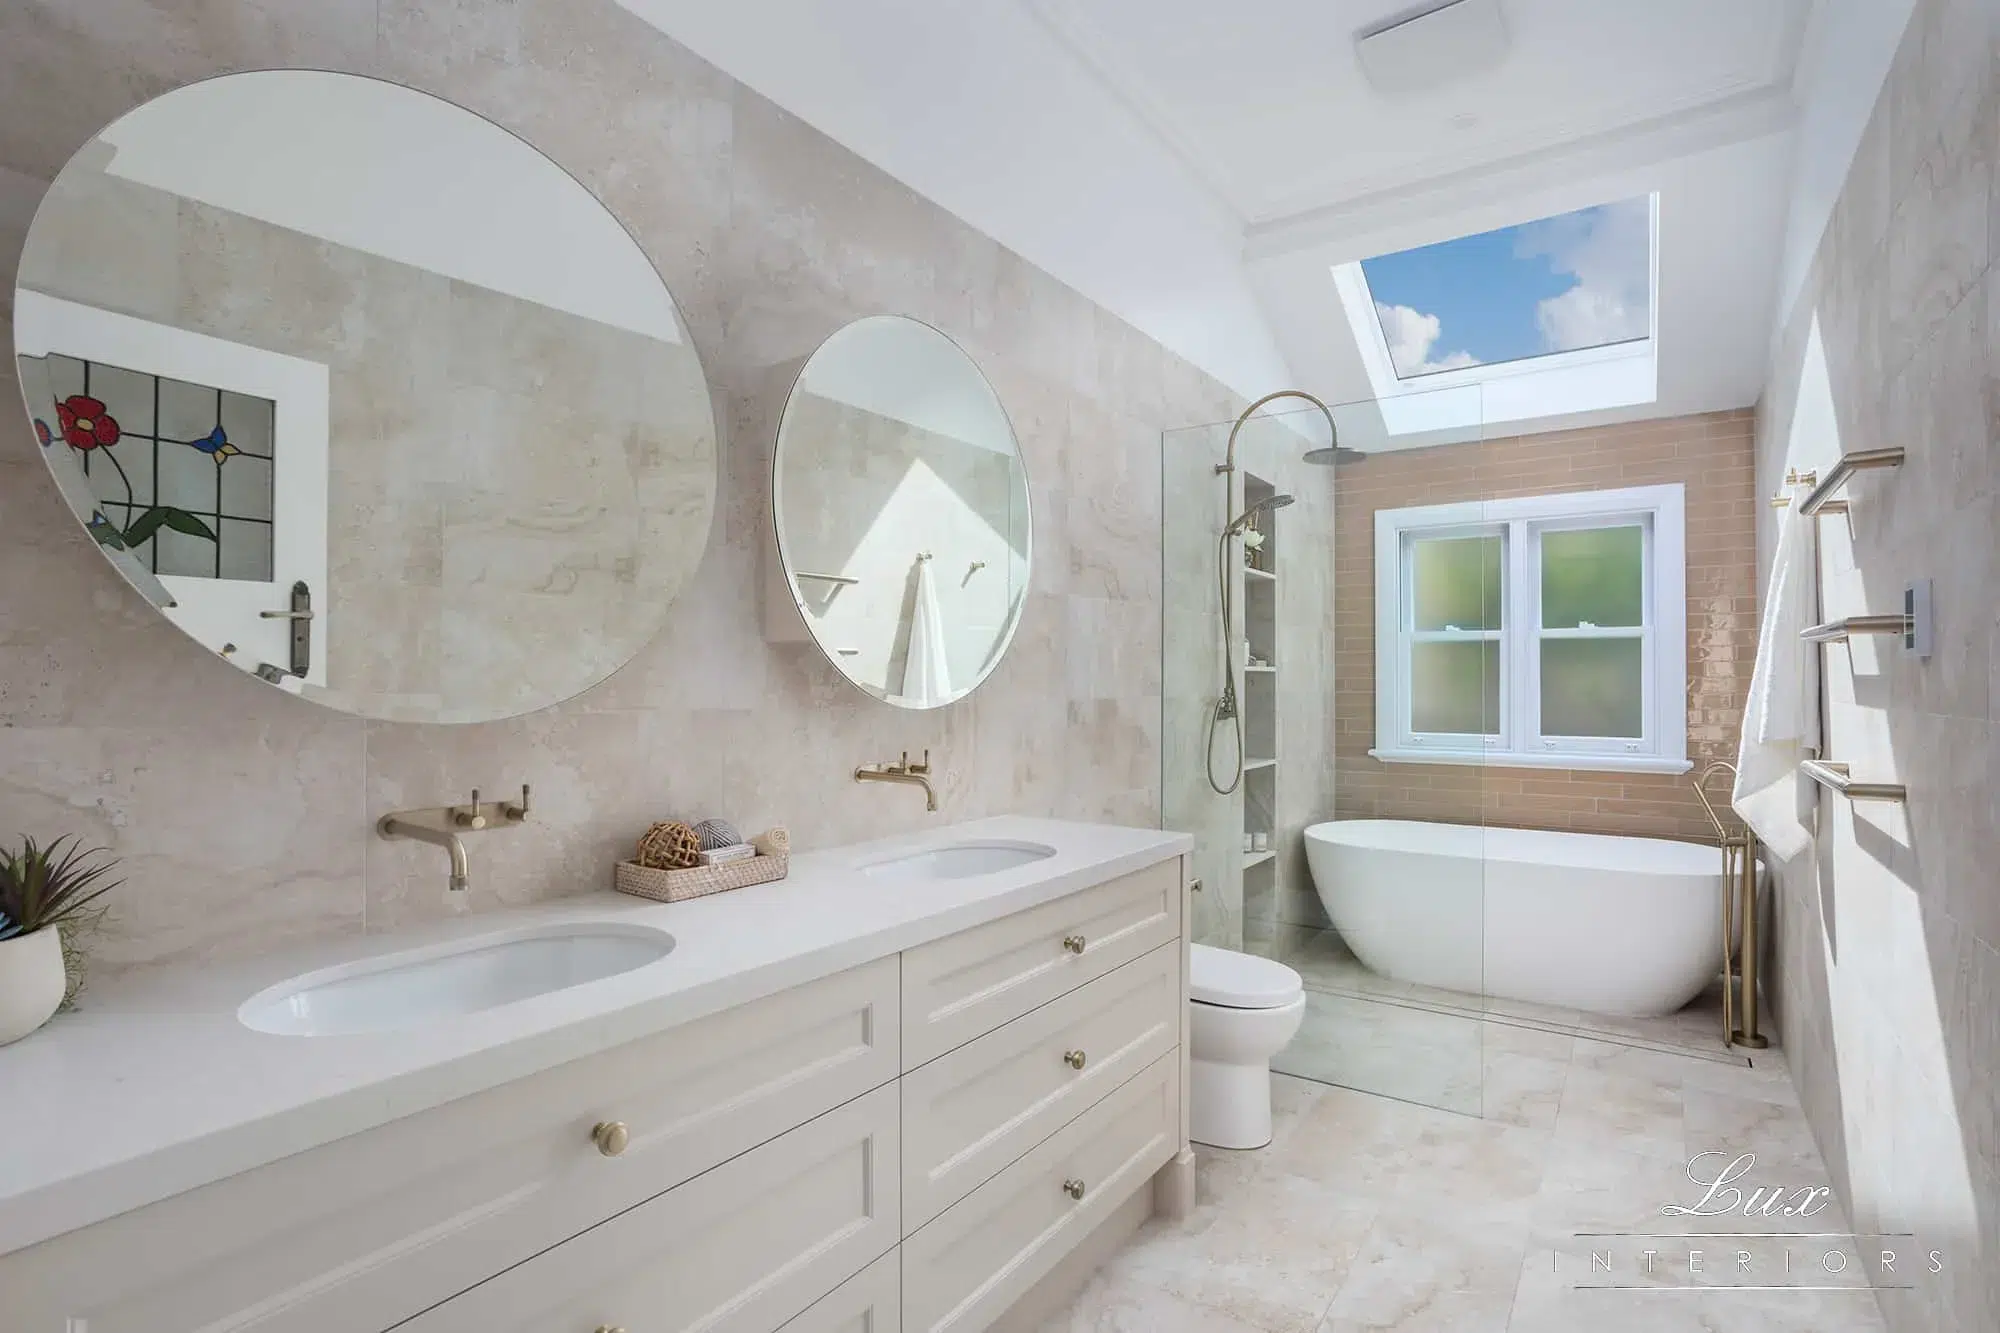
440, 826
915, 774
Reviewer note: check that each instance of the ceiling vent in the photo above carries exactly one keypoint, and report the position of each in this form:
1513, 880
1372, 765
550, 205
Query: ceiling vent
1432, 48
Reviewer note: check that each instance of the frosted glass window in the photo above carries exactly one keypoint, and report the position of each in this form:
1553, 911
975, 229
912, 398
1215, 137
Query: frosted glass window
1456, 583
1455, 687
1594, 576
1593, 687
1544, 631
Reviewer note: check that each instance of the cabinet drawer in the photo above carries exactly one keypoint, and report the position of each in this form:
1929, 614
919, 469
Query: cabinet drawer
869, 1302
971, 1111
964, 985
740, 1249
371, 1229
980, 1255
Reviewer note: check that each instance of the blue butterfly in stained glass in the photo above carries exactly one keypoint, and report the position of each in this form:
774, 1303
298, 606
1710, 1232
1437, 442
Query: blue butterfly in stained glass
43, 434
216, 444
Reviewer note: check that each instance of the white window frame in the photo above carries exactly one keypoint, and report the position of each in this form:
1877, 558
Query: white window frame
1662, 748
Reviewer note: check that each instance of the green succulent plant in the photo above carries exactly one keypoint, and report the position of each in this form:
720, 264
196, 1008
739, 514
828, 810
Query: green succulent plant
47, 886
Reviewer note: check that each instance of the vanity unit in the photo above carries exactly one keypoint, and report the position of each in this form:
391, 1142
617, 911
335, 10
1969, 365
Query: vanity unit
891, 1092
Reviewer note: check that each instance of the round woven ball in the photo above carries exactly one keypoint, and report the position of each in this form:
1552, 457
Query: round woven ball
716, 833
669, 846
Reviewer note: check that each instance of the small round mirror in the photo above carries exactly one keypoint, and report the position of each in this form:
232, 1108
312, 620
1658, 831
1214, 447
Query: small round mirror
366, 395
901, 505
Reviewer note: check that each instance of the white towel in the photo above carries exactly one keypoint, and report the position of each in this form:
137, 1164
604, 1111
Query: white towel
1781, 719
926, 678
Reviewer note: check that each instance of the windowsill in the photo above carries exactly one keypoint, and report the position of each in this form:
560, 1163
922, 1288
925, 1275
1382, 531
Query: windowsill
1586, 763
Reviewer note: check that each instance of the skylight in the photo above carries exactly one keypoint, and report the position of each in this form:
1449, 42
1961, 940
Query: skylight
1545, 318
1565, 283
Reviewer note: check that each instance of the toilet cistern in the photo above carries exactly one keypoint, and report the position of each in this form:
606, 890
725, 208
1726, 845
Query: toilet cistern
441, 826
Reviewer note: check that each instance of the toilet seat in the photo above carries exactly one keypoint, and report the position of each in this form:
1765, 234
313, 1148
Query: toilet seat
1231, 980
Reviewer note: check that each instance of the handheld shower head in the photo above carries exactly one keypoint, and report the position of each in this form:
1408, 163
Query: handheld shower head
1269, 502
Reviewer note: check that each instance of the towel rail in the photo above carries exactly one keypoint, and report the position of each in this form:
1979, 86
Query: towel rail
1821, 495
1834, 778
1840, 631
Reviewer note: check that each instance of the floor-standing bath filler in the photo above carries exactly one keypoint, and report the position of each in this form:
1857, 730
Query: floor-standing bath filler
1226, 708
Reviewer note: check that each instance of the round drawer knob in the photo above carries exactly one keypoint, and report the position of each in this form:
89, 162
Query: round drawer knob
611, 1136
1073, 943
1073, 1188
1074, 1059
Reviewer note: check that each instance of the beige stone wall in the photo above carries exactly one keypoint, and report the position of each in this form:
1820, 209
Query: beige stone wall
244, 815
1710, 456
1887, 968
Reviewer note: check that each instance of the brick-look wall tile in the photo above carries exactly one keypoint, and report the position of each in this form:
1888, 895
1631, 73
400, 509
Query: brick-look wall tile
1712, 455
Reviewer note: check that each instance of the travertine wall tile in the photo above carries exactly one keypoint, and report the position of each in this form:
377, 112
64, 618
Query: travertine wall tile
771, 237
1885, 973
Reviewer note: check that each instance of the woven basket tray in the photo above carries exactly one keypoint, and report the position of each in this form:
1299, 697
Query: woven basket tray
673, 886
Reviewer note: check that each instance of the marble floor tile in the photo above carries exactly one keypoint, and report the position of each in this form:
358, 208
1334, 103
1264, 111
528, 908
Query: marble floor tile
1616, 1110
1374, 1215
1428, 1274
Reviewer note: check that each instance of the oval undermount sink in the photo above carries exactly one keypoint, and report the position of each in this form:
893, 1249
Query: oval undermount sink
405, 990
959, 860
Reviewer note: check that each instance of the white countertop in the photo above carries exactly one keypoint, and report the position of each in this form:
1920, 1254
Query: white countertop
154, 1087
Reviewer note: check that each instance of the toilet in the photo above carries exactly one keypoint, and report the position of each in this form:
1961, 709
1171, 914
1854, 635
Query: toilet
1242, 1011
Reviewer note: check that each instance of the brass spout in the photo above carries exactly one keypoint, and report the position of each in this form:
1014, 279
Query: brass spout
915, 775
391, 827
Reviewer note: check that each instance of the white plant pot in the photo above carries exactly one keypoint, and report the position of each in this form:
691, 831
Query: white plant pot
32, 982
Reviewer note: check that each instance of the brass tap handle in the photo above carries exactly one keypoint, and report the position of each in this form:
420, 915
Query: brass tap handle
1074, 1059
923, 767
611, 1137
517, 814
471, 817
1073, 943
607, 1328
1074, 1188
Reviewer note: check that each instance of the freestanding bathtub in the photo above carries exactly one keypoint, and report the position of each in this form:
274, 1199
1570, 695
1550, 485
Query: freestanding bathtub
1627, 926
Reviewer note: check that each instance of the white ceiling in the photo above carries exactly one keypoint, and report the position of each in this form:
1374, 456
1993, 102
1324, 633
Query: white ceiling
1265, 101
1198, 168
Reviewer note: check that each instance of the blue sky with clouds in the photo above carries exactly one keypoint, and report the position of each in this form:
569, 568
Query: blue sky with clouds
1575, 280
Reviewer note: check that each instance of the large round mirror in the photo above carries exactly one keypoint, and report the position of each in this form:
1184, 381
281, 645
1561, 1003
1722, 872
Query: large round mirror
366, 395
902, 512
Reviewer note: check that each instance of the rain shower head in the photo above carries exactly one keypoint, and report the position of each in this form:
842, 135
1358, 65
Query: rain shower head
1242, 521
1329, 455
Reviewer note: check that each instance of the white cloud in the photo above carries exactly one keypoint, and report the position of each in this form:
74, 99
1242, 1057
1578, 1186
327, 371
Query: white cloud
1411, 336
1608, 251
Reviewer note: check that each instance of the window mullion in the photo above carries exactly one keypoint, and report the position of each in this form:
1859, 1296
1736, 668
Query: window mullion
1522, 618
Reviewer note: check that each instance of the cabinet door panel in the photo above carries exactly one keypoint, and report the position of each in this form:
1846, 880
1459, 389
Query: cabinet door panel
971, 1111
983, 1253
740, 1249
964, 985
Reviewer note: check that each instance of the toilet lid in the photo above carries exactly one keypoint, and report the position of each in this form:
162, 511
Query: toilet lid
1240, 980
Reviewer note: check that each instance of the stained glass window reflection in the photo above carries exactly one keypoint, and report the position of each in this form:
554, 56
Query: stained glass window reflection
181, 473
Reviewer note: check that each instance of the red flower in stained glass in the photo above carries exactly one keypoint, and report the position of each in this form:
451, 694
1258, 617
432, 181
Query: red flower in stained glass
85, 425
